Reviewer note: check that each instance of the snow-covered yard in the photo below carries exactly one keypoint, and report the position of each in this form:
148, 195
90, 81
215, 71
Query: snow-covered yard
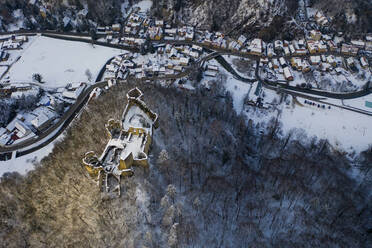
344, 129
144, 5
60, 62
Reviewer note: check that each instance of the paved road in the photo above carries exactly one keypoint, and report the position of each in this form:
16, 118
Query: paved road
81, 99
66, 119
301, 92
345, 96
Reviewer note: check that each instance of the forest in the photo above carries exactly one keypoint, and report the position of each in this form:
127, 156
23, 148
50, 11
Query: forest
214, 181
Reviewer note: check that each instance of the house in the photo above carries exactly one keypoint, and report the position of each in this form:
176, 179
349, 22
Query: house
331, 60
296, 63
255, 47
315, 60
233, 45
316, 46
323, 58
315, 35
305, 66
20, 38
322, 47
182, 31
210, 73
116, 27
171, 32
95, 93
368, 46
74, 92
332, 46
212, 68
4, 136
195, 55
177, 68
270, 50
275, 63
350, 50
17, 130
101, 29
242, 39
358, 43
350, 61
159, 23
43, 117
128, 64
190, 33
286, 51
338, 70
282, 62
321, 19
278, 45
155, 33
288, 74
168, 48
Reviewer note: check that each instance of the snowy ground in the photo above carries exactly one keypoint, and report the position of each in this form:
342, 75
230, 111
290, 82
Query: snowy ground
2, 70
345, 130
359, 103
231, 59
60, 62
26, 163
144, 5
237, 88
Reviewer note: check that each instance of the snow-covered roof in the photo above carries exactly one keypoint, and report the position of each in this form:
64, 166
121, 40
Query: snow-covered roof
42, 115
73, 94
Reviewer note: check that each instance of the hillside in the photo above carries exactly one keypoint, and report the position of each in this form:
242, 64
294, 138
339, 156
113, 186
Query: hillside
247, 16
349, 16
213, 182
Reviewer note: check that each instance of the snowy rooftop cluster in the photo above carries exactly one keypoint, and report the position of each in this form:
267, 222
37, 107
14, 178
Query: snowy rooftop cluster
168, 60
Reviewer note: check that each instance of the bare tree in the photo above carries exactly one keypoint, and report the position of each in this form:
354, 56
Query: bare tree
88, 74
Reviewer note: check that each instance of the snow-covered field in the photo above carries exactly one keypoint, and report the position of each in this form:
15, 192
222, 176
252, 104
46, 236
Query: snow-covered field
345, 130
60, 62
144, 5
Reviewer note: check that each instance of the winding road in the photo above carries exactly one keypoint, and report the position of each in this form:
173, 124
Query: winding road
214, 53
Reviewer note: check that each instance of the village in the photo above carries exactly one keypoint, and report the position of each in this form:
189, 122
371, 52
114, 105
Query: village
325, 53
44, 107
322, 62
